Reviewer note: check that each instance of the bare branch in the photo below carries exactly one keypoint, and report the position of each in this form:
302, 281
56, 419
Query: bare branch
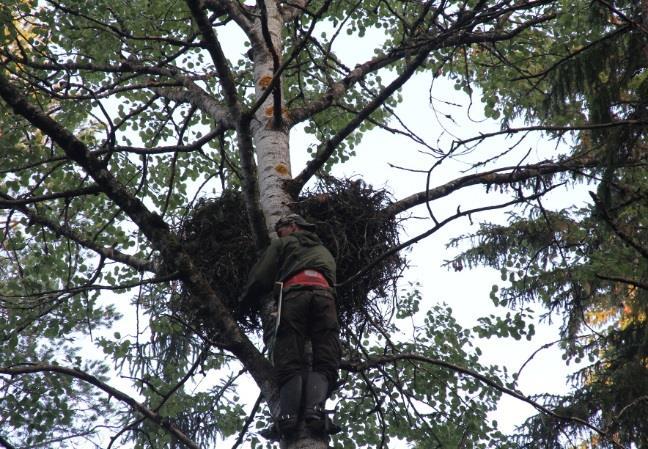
455, 36
326, 149
6, 203
438, 225
491, 177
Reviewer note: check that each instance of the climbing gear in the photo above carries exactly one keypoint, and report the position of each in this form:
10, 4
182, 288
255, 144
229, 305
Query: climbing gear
307, 277
296, 219
315, 396
290, 396
314, 390
273, 339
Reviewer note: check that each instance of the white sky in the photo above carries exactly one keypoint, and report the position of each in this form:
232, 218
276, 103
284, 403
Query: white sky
467, 292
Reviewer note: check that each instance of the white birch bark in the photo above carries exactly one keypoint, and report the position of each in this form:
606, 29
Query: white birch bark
273, 150
272, 145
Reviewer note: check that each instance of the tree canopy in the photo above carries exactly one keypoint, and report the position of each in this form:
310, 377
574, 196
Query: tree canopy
131, 130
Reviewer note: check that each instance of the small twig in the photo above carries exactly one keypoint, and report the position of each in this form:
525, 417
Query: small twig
248, 421
537, 351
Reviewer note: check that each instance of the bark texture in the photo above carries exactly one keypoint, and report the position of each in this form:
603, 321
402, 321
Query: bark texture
271, 136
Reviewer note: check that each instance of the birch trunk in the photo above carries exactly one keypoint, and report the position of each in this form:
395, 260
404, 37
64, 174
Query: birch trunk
273, 151
271, 142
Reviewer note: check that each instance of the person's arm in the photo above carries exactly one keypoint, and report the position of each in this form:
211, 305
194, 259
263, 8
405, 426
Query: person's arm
263, 274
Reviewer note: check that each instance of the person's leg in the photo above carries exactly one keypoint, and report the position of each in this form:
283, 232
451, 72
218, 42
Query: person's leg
288, 356
324, 333
326, 358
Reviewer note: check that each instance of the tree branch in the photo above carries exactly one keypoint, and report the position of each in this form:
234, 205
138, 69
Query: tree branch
293, 10
327, 148
218, 57
66, 231
371, 363
641, 285
6, 443
6, 203
618, 231
438, 225
558, 129
455, 36
276, 77
276, 62
246, 152
154, 228
236, 11
194, 146
153, 416
492, 177
198, 98
248, 421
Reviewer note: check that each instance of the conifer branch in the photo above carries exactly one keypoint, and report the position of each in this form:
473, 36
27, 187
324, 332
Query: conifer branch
6, 444
632, 282
618, 231
552, 129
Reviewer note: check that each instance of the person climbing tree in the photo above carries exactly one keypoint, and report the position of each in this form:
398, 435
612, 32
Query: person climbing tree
301, 271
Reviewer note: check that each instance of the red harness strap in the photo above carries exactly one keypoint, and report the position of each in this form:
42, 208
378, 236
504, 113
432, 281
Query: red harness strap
307, 277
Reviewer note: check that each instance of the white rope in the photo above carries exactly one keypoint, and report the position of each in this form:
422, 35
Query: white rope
277, 321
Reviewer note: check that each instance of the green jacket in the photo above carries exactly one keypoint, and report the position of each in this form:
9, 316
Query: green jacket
284, 257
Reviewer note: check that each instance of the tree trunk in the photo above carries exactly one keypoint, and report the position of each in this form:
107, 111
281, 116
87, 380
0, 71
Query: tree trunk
271, 141
304, 443
271, 136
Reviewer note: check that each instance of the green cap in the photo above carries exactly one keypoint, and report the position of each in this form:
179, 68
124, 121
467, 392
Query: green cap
296, 219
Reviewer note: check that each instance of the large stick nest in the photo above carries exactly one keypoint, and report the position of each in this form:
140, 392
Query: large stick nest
349, 221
